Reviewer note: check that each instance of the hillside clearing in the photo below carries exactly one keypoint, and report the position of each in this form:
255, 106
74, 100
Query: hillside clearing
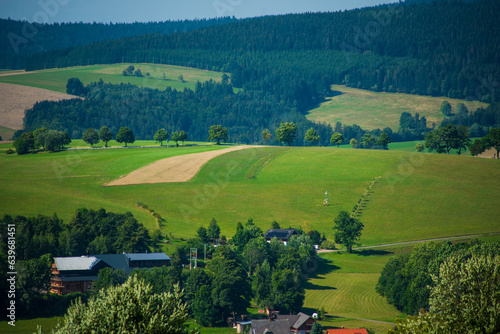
15, 99
372, 110
160, 76
175, 169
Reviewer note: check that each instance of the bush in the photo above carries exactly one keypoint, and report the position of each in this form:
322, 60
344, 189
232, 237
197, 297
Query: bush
10, 151
327, 244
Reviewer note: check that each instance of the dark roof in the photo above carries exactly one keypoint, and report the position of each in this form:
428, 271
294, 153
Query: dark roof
115, 261
147, 256
278, 326
78, 278
296, 321
280, 234
282, 324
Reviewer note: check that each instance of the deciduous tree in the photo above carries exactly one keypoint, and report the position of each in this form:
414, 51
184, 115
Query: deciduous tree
90, 136
176, 137
161, 136
266, 135
312, 136
218, 133
348, 230
183, 136
25, 143
445, 108
368, 140
286, 133
129, 308
492, 139
384, 140
419, 147
105, 135
337, 139
125, 135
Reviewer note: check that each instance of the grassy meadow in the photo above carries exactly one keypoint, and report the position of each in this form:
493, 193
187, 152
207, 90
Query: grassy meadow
6, 133
56, 79
372, 110
419, 195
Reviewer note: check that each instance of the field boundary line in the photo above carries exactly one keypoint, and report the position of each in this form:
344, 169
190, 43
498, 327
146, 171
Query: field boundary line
468, 236
263, 162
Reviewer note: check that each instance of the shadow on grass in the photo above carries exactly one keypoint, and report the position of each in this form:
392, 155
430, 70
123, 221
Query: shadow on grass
321, 268
371, 252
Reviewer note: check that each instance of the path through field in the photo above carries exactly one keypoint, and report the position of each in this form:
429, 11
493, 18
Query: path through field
181, 168
469, 236
15, 99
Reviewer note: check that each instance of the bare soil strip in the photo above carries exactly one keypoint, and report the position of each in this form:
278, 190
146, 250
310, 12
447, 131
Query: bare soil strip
181, 168
15, 99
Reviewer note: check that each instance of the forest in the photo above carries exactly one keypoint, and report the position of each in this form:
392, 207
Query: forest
23, 38
393, 48
245, 114
271, 273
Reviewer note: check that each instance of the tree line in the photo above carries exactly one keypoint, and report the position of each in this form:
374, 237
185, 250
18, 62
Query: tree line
245, 114
23, 38
442, 282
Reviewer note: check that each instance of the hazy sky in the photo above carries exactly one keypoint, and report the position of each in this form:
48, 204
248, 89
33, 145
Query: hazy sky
48, 11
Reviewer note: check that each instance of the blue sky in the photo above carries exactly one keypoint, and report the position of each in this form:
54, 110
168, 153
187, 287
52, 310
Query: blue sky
48, 11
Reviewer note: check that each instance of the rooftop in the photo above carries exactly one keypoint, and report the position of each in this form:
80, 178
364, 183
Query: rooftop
280, 234
347, 331
147, 256
76, 263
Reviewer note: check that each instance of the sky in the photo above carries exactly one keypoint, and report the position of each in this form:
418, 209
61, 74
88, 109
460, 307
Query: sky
49, 11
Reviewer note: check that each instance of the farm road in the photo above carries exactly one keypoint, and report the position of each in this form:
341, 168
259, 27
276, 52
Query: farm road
180, 168
408, 242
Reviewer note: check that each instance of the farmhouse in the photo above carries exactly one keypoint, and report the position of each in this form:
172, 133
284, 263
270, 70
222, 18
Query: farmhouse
282, 234
283, 324
77, 274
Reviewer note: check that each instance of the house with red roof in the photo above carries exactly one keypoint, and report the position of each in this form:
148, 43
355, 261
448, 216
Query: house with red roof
347, 331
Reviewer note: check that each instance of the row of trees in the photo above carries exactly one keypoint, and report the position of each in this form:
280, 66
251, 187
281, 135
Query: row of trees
48, 140
451, 137
442, 281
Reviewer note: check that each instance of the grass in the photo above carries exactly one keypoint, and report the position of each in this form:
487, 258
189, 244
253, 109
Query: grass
420, 196
344, 285
372, 110
56, 79
6, 133
28, 326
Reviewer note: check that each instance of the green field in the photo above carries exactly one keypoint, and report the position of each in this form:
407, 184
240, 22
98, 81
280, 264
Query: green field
372, 110
56, 79
419, 195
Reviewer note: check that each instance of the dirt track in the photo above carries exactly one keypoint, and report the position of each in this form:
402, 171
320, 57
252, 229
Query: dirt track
15, 99
181, 168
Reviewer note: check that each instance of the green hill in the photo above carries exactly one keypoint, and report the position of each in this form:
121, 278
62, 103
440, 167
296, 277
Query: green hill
372, 110
56, 79
419, 195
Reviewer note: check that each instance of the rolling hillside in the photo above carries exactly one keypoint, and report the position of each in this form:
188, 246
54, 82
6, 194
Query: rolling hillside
372, 110
56, 79
419, 195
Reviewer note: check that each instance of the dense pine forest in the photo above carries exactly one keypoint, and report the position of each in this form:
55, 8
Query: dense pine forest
441, 49
22, 38
285, 66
